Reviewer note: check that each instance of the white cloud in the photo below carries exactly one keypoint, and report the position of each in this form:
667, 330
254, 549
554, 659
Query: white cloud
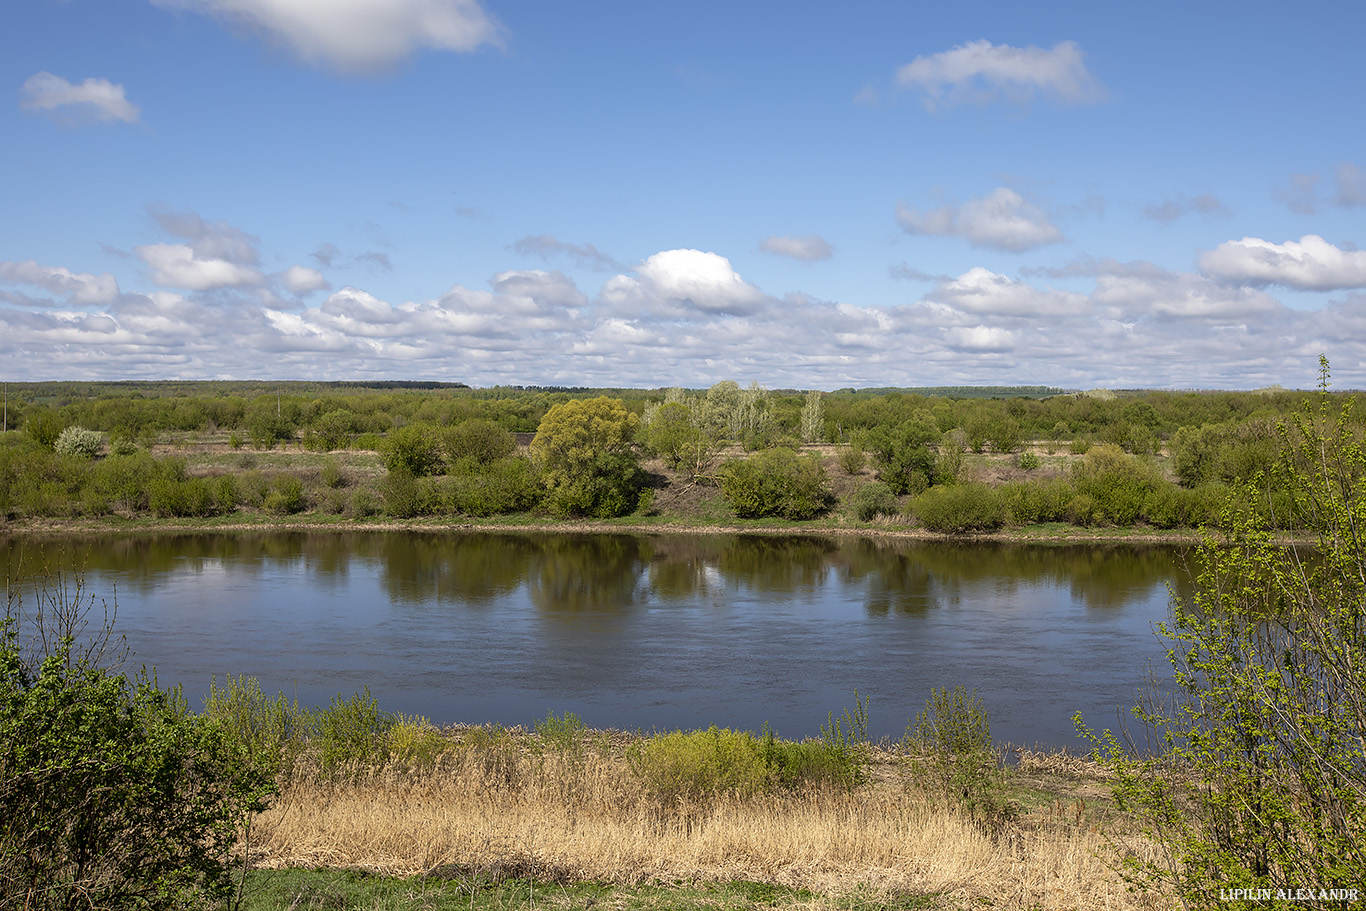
302, 280
809, 248
981, 338
98, 98
983, 292
1311, 264
178, 266
78, 287
682, 283
357, 35
1001, 220
979, 72
210, 240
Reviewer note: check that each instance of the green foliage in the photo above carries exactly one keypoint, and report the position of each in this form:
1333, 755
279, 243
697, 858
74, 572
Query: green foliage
674, 433
286, 496
269, 733
952, 756
505, 486
268, 427
350, 734
1259, 776
112, 794
1115, 486
1028, 460
852, 459
78, 441
1030, 502
1233, 452
777, 482
583, 453
813, 417
43, 426
960, 509
476, 442
902, 455
413, 450
403, 497
1003, 432
872, 500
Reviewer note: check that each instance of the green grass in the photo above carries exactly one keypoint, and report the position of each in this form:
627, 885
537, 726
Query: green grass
348, 890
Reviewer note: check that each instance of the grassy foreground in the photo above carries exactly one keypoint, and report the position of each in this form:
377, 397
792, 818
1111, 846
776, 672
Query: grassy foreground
570, 818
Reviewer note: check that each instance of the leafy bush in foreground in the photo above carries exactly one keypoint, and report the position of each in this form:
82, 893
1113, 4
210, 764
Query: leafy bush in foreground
112, 795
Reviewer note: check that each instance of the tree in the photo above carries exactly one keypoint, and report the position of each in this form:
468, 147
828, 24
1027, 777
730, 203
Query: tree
1259, 776
813, 417
112, 794
583, 451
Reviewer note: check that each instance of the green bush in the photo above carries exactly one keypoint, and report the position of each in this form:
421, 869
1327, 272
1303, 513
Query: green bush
286, 496
112, 794
505, 486
902, 454
696, 766
350, 734
270, 733
872, 500
1028, 460
332, 475
1115, 484
413, 450
777, 482
480, 442
852, 459
1030, 502
43, 426
960, 509
78, 441
952, 757
185, 498
403, 496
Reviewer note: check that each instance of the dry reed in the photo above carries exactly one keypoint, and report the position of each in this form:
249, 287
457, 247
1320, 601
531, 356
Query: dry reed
509, 808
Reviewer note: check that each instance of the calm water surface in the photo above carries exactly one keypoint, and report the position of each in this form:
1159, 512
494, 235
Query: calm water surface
642, 630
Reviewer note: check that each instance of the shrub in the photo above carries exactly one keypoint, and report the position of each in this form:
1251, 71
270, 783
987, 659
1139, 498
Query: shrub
960, 509
170, 497
286, 496
479, 441
852, 459
872, 500
363, 504
350, 734
78, 441
1258, 779
952, 756
1115, 483
403, 497
777, 482
1028, 460
1029, 502
112, 794
902, 455
43, 427
413, 450
332, 474
506, 486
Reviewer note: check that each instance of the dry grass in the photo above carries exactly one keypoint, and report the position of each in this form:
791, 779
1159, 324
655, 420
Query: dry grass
566, 816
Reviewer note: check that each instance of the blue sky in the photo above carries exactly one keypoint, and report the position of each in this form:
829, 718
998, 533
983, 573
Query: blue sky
638, 194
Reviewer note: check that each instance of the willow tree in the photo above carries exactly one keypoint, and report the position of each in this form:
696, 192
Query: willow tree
583, 451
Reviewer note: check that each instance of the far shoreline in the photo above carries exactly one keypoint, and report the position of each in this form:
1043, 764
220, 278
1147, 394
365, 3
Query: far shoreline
1046, 534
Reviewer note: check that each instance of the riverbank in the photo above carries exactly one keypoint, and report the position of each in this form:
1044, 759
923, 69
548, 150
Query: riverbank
510, 820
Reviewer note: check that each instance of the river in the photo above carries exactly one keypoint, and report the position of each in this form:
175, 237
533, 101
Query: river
640, 631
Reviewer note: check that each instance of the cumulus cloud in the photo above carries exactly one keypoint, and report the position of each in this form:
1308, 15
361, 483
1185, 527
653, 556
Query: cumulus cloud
809, 248
356, 35
983, 292
99, 99
681, 283
77, 287
546, 246
1172, 209
179, 266
1001, 220
1310, 264
302, 280
980, 72
686, 317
